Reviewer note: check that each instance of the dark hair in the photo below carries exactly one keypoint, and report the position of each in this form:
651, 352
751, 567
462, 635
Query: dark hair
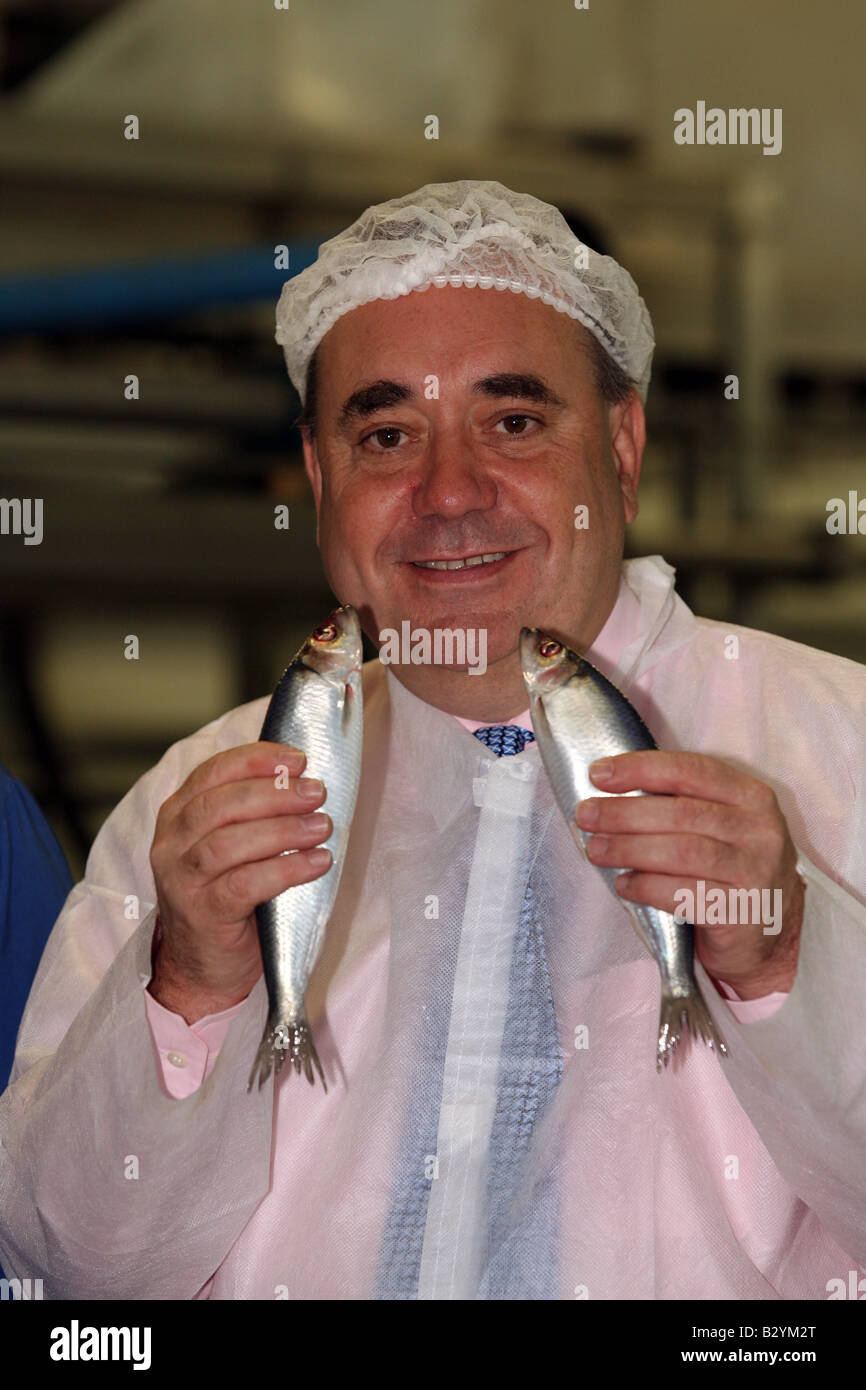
612, 383
308, 418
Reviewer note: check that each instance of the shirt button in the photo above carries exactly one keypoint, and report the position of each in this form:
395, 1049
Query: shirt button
177, 1059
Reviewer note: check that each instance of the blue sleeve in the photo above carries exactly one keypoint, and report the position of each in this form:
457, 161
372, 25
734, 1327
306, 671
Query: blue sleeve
34, 882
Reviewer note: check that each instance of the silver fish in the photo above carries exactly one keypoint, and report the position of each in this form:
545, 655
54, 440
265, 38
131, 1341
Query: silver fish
579, 716
317, 707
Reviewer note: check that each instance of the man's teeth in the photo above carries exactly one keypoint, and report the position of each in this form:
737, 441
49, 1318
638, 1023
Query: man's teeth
461, 564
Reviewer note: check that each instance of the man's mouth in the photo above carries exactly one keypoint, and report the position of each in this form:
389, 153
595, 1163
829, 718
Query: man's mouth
466, 562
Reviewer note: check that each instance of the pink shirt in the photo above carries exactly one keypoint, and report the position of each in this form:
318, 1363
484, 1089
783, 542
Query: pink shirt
188, 1053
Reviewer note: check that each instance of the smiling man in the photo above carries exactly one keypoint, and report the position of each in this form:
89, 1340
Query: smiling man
473, 382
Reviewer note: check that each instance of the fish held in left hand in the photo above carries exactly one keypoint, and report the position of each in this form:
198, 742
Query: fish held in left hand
579, 716
318, 708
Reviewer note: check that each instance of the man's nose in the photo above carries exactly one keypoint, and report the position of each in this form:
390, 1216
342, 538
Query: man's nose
452, 478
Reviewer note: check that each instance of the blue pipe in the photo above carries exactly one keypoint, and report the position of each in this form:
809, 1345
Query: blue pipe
141, 290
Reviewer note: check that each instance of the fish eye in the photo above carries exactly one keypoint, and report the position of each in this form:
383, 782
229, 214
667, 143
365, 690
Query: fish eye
325, 633
548, 649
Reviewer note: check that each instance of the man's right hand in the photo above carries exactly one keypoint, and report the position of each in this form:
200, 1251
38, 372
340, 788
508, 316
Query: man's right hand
218, 851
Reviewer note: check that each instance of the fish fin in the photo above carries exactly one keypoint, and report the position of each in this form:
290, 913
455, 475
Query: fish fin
684, 1018
304, 1054
271, 1054
282, 1040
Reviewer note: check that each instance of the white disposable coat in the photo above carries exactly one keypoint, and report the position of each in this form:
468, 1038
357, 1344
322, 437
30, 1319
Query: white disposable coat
739, 1178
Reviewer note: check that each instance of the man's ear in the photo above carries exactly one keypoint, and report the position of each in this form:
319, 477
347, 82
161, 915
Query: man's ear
627, 426
313, 470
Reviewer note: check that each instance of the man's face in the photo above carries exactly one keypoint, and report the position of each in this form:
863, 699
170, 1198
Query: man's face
463, 422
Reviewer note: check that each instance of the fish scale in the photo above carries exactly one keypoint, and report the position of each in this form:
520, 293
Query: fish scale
579, 716
317, 707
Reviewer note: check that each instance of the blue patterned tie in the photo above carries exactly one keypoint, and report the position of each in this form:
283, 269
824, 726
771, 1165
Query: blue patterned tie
521, 1259
505, 739
530, 1069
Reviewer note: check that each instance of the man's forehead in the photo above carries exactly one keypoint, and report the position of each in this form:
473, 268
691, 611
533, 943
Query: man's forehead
449, 310
483, 335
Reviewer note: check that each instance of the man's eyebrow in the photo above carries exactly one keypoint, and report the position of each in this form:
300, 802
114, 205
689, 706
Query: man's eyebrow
525, 387
379, 395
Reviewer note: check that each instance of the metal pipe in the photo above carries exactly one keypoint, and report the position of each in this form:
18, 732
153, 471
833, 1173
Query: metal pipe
142, 290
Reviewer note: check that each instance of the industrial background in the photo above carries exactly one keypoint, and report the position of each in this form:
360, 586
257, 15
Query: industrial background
261, 126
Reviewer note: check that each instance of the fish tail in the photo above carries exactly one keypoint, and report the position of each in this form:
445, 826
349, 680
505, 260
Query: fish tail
281, 1040
684, 1018
306, 1056
270, 1055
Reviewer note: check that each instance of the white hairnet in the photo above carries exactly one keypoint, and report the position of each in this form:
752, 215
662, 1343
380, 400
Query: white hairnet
471, 232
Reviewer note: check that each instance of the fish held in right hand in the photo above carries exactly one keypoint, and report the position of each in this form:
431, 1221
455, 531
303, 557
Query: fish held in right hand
579, 716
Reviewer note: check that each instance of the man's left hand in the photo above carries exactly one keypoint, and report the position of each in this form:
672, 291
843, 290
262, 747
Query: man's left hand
712, 824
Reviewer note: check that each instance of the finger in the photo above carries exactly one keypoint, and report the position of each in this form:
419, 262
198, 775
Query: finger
228, 846
683, 774
639, 814
237, 893
235, 764
246, 801
690, 856
709, 906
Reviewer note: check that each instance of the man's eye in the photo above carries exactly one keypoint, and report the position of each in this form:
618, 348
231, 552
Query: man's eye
516, 424
387, 437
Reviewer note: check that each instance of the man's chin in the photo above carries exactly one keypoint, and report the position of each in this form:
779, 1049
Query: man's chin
500, 639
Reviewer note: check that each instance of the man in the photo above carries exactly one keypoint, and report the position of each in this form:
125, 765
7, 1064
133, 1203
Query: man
494, 1126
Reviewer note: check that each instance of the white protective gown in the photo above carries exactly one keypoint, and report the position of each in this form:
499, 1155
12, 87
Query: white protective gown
739, 1178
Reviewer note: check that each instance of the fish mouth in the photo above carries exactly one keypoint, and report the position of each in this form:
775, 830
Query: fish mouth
529, 664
